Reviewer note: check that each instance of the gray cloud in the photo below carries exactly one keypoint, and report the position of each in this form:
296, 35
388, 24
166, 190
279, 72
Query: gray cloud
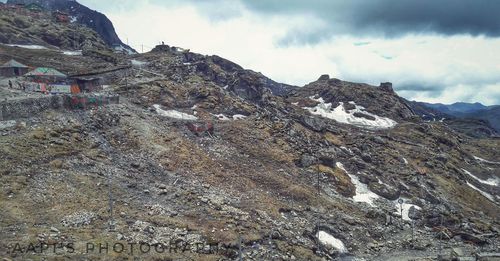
437, 90
389, 18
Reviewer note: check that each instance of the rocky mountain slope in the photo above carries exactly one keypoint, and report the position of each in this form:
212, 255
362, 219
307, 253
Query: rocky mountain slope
81, 15
209, 161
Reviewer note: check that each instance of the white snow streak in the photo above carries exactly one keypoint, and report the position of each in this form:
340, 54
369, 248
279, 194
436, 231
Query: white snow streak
235, 117
221, 117
31, 46
239, 117
486, 161
490, 181
72, 53
485, 194
174, 114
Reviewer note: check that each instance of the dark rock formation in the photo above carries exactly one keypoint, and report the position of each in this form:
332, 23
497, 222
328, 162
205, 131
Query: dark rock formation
324, 77
83, 15
386, 86
384, 191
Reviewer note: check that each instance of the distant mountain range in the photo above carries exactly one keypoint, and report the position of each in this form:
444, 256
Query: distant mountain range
458, 107
490, 114
460, 112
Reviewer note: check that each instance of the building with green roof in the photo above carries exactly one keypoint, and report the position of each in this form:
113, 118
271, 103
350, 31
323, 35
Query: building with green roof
46, 75
13, 68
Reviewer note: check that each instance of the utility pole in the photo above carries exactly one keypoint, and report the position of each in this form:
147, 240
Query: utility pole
441, 237
110, 194
240, 252
413, 233
271, 247
126, 79
401, 201
318, 185
75, 42
319, 192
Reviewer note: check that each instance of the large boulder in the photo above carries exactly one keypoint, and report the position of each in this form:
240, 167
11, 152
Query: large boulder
385, 191
314, 123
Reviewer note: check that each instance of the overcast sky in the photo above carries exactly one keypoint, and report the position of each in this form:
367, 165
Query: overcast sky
435, 51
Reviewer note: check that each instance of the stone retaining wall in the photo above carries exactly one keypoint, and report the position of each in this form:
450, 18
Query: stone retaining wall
25, 108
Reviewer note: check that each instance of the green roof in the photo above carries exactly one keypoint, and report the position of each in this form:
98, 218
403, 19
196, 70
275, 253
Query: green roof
34, 6
13, 64
43, 71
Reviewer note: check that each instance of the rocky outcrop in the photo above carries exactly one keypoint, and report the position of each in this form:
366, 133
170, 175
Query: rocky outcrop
249, 84
41, 30
382, 101
83, 15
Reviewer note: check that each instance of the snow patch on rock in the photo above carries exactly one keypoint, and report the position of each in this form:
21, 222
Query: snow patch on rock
235, 117
73, 53
239, 117
29, 46
329, 240
174, 114
221, 117
363, 193
138, 63
339, 114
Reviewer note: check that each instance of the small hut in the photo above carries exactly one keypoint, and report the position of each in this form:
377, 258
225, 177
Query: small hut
87, 84
61, 17
13, 68
46, 75
34, 7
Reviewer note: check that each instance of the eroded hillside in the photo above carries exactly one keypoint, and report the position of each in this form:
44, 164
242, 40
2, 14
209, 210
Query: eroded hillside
204, 160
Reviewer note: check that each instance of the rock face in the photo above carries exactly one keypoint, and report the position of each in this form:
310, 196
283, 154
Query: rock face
382, 101
246, 84
82, 15
386, 86
42, 30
